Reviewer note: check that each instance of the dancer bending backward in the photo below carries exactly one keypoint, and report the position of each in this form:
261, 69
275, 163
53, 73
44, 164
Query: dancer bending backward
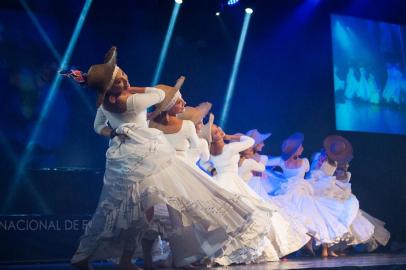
181, 134
141, 172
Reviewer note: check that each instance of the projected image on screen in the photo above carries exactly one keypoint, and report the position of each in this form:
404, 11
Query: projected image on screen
369, 75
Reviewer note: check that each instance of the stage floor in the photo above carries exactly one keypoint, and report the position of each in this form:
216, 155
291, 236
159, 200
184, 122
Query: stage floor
367, 261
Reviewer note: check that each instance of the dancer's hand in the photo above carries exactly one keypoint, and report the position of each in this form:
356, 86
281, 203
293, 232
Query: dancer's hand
122, 137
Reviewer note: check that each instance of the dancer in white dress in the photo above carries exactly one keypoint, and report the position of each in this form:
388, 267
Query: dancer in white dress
181, 134
142, 172
262, 183
329, 181
196, 115
272, 235
320, 216
335, 161
247, 166
183, 137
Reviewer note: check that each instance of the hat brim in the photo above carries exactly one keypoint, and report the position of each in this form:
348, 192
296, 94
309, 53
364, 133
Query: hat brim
206, 130
158, 108
263, 137
344, 156
110, 62
297, 138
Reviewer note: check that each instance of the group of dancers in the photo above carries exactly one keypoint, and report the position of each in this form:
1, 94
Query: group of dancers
211, 198
361, 84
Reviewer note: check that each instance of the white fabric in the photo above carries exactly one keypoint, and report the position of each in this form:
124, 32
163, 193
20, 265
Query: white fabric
381, 234
326, 186
185, 139
272, 236
135, 113
245, 171
320, 216
142, 172
262, 185
201, 153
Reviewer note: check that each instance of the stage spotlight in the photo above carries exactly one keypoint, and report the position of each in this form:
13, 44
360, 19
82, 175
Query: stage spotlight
55, 53
34, 136
248, 10
165, 45
232, 2
234, 71
217, 13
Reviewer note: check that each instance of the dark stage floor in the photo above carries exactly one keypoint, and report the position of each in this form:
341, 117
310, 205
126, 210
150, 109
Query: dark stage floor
368, 261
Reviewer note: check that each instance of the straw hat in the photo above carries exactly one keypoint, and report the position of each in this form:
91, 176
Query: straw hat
100, 77
291, 144
257, 136
171, 95
205, 133
338, 148
195, 114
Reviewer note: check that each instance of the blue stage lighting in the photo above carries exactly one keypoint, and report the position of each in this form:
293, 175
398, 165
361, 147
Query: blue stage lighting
233, 76
165, 45
232, 2
26, 156
179, 1
55, 53
249, 10
217, 13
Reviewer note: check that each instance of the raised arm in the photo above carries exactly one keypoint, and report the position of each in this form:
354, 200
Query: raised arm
244, 143
141, 101
192, 135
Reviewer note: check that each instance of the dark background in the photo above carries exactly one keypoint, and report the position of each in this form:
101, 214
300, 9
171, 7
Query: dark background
284, 85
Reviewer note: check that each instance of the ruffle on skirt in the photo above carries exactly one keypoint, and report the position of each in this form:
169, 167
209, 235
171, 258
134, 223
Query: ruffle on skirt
320, 216
361, 230
143, 173
381, 234
269, 238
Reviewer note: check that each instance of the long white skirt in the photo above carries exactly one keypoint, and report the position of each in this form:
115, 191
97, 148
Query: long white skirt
320, 216
270, 237
144, 172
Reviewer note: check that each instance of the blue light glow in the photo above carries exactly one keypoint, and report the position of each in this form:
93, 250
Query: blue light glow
55, 53
232, 2
26, 156
233, 77
165, 46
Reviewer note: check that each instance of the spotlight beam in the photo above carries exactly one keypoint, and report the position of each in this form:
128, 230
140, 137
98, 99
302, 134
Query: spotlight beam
26, 157
10, 152
234, 72
165, 46
54, 52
